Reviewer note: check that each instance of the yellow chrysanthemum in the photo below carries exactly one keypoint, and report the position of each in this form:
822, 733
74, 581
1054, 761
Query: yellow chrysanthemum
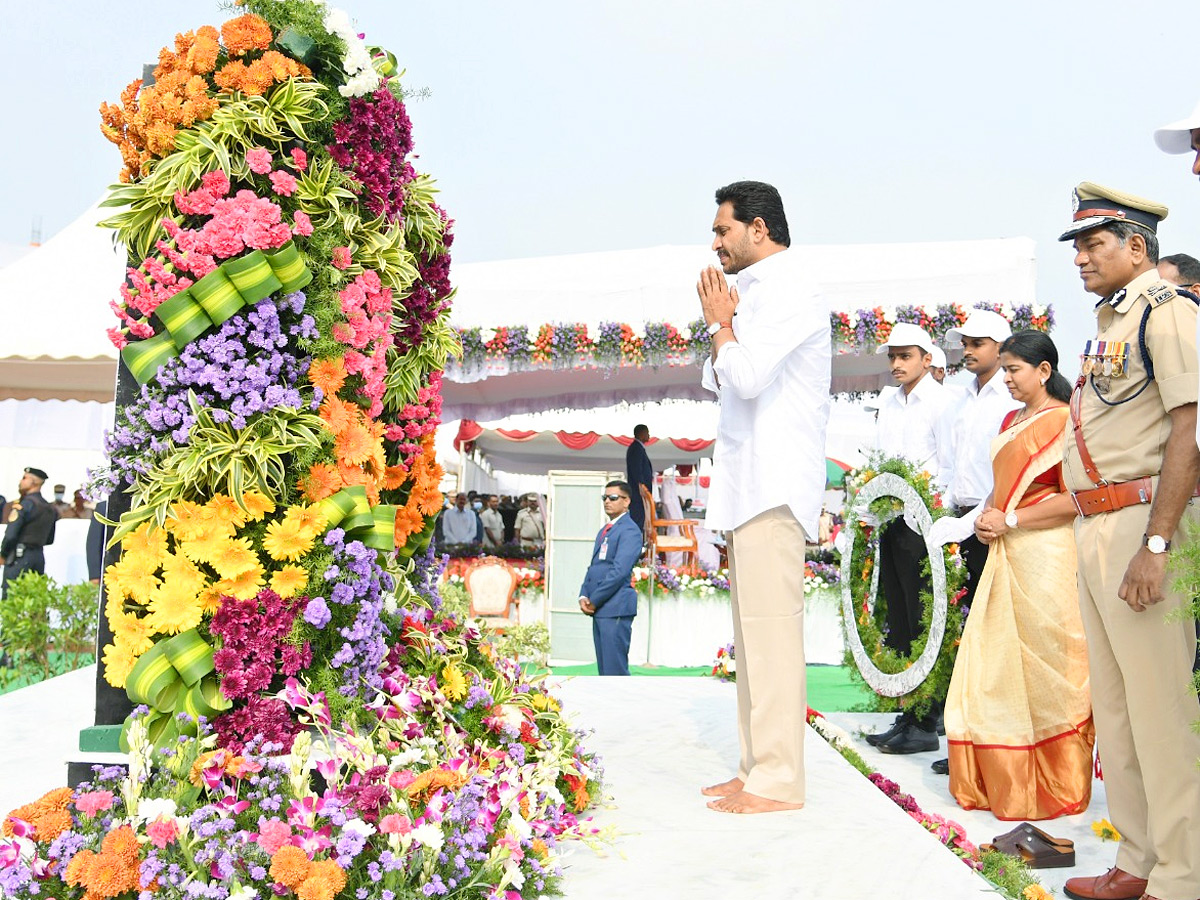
209, 599
285, 542
289, 581
132, 632
145, 540
203, 548
186, 521
140, 586
224, 508
173, 610
309, 521
454, 683
257, 505
233, 557
244, 586
118, 663
181, 572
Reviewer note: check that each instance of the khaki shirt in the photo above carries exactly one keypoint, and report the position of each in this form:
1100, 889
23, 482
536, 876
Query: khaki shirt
1127, 440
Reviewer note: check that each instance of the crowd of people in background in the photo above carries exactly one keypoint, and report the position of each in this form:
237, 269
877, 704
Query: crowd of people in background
491, 522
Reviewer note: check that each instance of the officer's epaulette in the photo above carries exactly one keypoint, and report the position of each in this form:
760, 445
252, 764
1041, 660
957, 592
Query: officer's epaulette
1160, 292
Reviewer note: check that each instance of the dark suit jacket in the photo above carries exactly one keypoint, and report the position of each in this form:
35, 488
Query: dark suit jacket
638, 471
607, 581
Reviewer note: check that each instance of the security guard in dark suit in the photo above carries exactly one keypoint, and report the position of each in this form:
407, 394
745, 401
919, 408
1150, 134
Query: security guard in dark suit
29, 528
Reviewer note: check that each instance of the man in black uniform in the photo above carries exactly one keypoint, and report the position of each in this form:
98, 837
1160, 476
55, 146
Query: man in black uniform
29, 527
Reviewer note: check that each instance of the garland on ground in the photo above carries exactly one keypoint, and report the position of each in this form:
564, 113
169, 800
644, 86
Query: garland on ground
1008, 874
869, 620
286, 314
571, 345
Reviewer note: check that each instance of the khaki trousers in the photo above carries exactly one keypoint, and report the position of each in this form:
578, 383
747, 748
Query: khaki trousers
1144, 706
766, 587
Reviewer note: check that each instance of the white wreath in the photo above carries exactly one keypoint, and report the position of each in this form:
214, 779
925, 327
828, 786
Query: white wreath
917, 515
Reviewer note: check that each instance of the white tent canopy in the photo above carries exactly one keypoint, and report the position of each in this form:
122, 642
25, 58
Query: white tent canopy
55, 300
658, 285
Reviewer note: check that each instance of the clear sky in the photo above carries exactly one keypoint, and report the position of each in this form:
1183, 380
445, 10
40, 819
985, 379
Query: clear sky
561, 127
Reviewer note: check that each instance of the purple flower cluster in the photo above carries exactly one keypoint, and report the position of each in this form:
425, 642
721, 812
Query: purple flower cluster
830, 573
656, 340
251, 364
426, 574
356, 586
608, 342
666, 577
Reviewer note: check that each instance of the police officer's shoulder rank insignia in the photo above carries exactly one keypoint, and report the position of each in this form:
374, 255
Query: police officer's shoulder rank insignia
1160, 293
14, 511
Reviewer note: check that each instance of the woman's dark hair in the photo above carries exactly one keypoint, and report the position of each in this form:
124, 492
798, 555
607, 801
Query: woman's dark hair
1035, 348
757, 200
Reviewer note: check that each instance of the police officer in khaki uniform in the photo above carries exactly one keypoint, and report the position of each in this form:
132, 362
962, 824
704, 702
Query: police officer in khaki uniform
1132, 465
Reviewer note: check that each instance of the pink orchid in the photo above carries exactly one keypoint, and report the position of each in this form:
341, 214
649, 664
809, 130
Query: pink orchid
10, 854
20, 828
328, 768
232, 805
314, 841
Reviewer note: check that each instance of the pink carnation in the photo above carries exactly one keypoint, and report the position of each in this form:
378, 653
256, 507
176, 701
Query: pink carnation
299, 159
162, 831
93, 802
341, 257
302, 225
259, 160
273, 834
395, 824
284, 183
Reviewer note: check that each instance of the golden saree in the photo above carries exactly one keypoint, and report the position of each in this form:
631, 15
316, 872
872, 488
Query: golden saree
1018, 714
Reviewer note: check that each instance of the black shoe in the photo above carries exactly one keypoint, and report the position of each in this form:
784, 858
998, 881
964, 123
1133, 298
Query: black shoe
912, 739
882, 737
940, 767
941, 724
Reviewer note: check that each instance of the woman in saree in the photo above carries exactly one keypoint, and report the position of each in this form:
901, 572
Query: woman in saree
1018, 715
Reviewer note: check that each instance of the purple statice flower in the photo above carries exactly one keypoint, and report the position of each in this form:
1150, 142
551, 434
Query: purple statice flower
666, 577
251, 364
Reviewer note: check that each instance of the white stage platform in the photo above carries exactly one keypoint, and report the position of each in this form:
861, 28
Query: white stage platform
661, 739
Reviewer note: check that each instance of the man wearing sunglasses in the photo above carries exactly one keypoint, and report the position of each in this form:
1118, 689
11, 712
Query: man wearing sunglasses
607, 594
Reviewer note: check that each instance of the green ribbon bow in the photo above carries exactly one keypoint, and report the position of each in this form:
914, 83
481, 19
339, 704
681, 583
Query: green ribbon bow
213, 299
350, 510
172, 677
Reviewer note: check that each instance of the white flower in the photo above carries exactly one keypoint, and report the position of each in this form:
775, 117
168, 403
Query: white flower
429, 835
359, 827
244, 893
487, 335
151, 808
1039, 309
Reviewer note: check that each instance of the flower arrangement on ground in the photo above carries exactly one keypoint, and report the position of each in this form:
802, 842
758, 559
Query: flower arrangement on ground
870, 611
725, 666
285, 317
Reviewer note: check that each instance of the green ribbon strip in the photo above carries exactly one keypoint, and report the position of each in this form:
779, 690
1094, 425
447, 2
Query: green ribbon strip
298, 46
350, 510
172, 677
212, 300
383, 61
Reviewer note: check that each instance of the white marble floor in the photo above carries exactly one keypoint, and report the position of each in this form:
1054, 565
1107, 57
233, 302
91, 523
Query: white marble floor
661, 738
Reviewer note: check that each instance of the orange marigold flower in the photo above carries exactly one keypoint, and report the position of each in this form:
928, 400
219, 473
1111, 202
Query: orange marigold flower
51, 823
248, 32
202, 56
324, 882
290, 866
80, 867
354, 444
328, 374
322, 481
123, 844
231, 75
337, 414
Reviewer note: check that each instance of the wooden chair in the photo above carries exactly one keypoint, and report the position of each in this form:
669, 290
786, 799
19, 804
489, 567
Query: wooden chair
491, 586
685, 542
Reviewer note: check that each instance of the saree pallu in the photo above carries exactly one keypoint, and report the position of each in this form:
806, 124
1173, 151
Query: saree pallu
1018, 714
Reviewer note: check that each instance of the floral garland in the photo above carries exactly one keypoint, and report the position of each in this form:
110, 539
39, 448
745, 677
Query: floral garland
274, 575
1009, 875
725, 665
870, 621
620, 344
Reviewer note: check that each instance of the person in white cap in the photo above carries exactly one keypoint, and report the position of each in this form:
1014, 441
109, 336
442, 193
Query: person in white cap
937, 365
977, 416
911, 425
1182, 136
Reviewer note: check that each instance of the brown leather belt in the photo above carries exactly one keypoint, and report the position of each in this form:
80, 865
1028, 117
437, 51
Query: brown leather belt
1110, 497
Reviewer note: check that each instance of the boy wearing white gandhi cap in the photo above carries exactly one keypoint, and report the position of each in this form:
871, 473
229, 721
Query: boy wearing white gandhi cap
1132, 463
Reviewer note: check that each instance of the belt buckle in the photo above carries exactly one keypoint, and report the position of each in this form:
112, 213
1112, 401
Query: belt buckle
1078, 506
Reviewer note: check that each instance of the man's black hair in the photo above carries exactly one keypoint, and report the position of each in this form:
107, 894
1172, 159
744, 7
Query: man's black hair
623, 485
1188, 266
757, 200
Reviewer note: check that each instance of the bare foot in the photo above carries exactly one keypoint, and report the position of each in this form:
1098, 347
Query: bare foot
745, 802
724, 789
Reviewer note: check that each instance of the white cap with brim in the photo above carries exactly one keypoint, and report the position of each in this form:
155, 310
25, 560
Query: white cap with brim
905, 334
939, 358
1177, 136
980, 323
